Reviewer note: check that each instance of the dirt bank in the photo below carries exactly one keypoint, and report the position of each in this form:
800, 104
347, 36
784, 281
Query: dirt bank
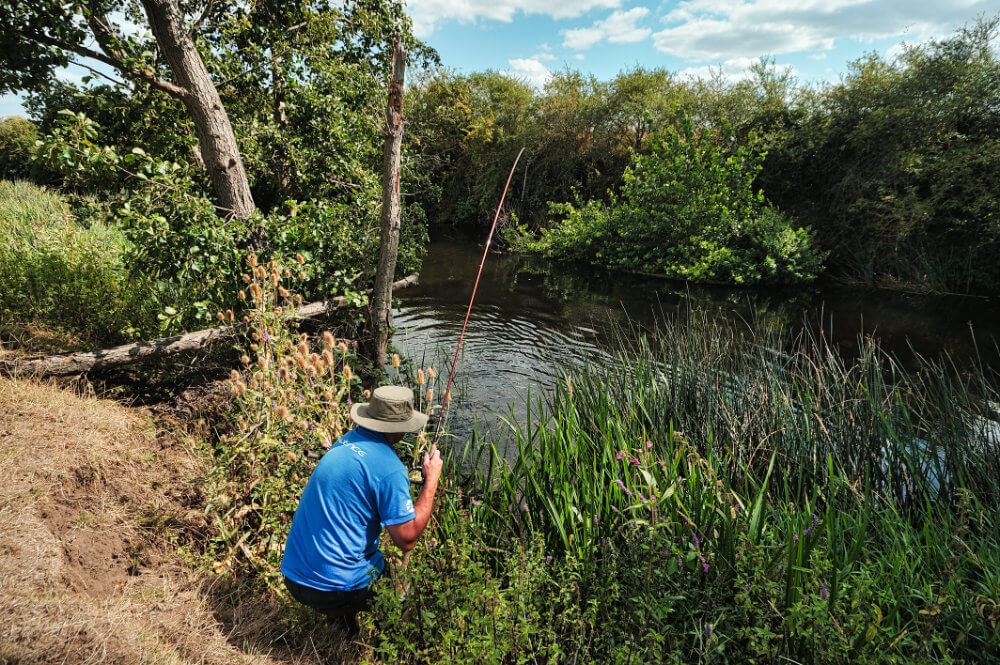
94, 501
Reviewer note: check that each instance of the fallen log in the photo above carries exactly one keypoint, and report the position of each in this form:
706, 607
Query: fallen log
127, 354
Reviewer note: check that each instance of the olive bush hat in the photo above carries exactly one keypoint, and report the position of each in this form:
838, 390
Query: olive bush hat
390, 411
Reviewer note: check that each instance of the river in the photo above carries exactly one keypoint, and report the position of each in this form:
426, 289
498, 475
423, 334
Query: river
532, 317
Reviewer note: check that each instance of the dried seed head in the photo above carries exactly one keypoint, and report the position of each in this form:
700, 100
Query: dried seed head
301, 259
230, 317
282, 411
245, 359
430, 394
283, 292
431, 373
291, 456
342, 347
288, 273
298, 298
395, 360
300, 360
246, 278
246, 319
252, 260
327, 358
366, 394
220, 316
234, 375
275, 278
272, 265
302, 275
328, 339
303, 348
348, 373
243, 294
254, 346
420, 377
262, 363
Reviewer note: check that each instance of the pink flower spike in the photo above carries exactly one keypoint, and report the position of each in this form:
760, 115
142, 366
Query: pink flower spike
649, 445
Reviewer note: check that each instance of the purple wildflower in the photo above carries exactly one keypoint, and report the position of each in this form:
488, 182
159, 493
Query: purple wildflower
475, 502
708, 630
524, 507
620, 455
349, 402
267, 336
824, 591
705, 566
748, 587
694, 538
649, 445
597, 520
634, 460
548, 559
293, 376
781, 571
815, 523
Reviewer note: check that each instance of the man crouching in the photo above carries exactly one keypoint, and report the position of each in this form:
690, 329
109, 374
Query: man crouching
360, 485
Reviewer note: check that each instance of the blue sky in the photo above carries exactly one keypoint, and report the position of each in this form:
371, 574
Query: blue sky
532, 38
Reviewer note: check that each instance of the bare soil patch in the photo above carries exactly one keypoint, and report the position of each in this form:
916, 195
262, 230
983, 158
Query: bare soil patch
94, 499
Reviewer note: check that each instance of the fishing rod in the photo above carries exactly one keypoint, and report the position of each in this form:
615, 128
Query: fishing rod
461, 338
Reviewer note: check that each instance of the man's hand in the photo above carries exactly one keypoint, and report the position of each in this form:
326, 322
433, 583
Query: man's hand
405, 535
432, 465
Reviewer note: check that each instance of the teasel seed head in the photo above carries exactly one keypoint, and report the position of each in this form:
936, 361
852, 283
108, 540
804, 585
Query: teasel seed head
303, 348
395, 360
234, 375
272, 265
275, 278
348, 373
254, 346
302, 275
342, 347
220, 316
431, 373
245, 359
366, 394
420, 377
328, 339
243, 294
327, 358
301, 259
230, 316
252, 260
288, 273
262, 363
298, 298
430, 394
246, 278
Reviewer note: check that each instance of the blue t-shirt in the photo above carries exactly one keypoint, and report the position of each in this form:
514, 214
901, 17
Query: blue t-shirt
358, 486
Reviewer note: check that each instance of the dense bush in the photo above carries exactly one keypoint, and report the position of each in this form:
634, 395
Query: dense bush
17, 137
59, 273
688, 209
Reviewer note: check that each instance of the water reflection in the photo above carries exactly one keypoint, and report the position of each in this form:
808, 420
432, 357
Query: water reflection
531, 318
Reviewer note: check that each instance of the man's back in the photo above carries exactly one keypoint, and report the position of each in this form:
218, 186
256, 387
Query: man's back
358, 486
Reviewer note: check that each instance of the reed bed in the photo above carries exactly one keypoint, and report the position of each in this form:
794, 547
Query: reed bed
726, 493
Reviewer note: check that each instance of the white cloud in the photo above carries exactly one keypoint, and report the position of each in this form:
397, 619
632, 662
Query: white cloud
530, 70
579, 56
735, 69
618, 28
704, 30
426, 14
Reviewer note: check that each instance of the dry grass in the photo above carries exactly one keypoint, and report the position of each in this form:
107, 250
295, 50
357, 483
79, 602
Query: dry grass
90, 494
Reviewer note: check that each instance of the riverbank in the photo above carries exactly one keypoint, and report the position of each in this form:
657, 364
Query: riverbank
102, 530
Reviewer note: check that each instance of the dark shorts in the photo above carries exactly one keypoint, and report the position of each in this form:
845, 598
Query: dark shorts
341, 607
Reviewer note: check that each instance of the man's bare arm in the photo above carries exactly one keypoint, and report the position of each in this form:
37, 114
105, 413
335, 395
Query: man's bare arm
405, 535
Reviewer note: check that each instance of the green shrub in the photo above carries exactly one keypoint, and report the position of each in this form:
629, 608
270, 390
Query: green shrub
687, 209
17, 136
59, 274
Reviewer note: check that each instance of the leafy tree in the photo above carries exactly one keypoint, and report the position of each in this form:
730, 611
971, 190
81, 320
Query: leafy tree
687, 209
17, 136
42, 35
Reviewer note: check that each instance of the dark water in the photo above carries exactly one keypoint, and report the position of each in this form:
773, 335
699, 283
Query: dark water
531, 318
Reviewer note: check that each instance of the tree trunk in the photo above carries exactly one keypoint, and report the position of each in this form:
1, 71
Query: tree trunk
380, 308
219, 149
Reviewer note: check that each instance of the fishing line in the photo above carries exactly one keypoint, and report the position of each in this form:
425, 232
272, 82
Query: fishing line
468, 311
